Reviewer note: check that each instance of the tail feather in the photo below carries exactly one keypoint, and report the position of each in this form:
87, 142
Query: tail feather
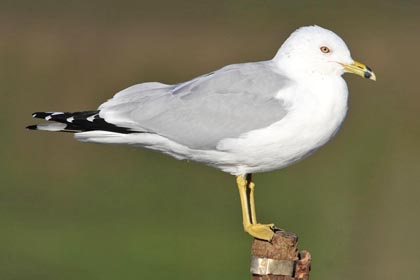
76, 122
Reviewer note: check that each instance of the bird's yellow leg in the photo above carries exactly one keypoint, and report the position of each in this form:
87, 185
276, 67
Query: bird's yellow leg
242, 186
252, 202
260, 231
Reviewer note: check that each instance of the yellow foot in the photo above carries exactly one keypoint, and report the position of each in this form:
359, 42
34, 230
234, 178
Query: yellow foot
261, 231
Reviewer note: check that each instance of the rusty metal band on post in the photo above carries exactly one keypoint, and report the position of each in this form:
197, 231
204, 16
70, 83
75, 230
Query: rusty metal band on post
266, 266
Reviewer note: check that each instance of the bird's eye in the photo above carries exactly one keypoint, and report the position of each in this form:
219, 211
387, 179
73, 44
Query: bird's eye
324, 49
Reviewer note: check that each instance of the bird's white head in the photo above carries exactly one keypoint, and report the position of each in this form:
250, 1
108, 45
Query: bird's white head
313, 50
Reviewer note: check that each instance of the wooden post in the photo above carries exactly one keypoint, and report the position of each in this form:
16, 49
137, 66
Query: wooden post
279, 259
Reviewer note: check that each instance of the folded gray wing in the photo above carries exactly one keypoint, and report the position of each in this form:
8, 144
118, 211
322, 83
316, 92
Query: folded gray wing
223, 104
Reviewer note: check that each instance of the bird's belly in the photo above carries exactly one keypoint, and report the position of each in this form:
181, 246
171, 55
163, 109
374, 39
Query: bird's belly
299, 134
301, 140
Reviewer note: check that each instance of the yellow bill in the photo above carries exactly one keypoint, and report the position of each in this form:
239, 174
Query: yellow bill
360, 69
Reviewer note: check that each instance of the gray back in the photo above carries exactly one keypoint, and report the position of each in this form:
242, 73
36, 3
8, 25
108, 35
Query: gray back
199, 113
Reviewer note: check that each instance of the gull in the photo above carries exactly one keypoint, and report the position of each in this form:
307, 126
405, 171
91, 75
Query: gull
242, 119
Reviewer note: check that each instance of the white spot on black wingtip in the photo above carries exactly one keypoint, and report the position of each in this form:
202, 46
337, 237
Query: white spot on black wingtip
47, 118
91, 118
70, 120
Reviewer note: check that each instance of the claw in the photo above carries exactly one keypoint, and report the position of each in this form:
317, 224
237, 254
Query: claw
261, 231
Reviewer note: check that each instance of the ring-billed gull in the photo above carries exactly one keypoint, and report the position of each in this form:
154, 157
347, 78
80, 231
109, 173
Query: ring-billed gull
243, 118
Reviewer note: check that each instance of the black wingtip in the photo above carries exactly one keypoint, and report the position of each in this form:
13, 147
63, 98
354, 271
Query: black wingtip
40, 115
77, 122
32, 127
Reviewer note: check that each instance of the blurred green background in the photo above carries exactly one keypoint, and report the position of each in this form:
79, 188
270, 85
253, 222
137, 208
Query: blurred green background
83, 211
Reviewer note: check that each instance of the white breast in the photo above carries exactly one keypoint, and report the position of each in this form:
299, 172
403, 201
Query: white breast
314, 117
